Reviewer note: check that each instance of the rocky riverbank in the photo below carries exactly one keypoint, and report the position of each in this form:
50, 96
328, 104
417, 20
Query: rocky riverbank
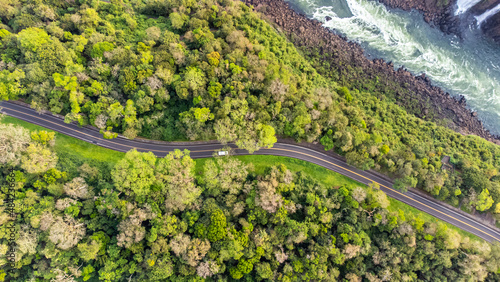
347, 59
441, 14
437, 12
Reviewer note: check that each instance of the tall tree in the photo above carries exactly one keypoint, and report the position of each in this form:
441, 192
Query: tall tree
134, 174
13, 142
38, 159
175, 176
484, 201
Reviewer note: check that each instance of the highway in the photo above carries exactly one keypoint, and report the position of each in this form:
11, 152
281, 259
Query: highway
432, 207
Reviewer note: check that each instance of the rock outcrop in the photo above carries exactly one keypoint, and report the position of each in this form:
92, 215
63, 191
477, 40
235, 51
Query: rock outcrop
483, 6
348, 60
441, 14
491, 27
434, 11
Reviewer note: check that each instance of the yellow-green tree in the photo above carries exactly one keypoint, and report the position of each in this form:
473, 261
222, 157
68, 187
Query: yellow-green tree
134, 174
484, 201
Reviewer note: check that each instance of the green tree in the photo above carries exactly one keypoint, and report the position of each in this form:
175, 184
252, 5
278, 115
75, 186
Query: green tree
267, 136
162, 269
213, 59
177, 20
194, 78
264, 270
175, 177
359, 159
327, 142
89, 19
99, 48
10, 85
37, 47
384, 149
474, 178
202, 114
214, 89
88, 251
130, 120
344, 92
484, 201
217, 228
497, 208
33, 39
38, 159
134, 174
402, 184
194, 121
43, 137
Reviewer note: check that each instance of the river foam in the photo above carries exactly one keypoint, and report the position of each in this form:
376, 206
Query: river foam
468, 67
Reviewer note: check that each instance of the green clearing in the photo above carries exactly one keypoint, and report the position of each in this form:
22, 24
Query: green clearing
69, 145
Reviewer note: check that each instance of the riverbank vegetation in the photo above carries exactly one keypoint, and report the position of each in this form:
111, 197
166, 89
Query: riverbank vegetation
168, 219
213, 69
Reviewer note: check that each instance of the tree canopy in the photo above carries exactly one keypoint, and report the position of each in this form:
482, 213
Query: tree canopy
200, 70
148, 219
214, 70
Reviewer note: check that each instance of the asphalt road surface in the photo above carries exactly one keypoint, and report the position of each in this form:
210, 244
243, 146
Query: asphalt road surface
432, 207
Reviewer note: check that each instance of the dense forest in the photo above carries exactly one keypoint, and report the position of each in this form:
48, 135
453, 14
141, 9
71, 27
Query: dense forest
198, 70
148, 219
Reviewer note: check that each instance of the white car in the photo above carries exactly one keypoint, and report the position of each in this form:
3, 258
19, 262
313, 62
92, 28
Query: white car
223, 153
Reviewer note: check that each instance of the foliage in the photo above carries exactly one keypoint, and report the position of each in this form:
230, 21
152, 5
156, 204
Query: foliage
134, 174
13, 142
217, 227
484, 201
175, 70
238, 224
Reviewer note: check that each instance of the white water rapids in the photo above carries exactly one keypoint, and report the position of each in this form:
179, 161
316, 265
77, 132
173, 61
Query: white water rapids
470, 67
464, 5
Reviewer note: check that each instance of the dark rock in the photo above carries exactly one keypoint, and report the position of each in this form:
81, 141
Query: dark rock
443, 16
434, 12
482, 7
491, 27
328, 18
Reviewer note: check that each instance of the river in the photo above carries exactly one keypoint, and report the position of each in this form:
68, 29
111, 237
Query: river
468, 66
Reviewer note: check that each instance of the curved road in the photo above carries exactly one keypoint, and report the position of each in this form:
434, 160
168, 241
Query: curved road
431, 207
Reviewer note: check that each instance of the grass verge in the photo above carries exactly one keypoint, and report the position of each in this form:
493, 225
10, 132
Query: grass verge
69, 145
397, 205
329, 179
